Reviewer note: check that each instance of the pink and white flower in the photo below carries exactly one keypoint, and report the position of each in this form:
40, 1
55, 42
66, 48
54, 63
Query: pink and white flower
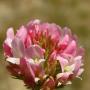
43, 54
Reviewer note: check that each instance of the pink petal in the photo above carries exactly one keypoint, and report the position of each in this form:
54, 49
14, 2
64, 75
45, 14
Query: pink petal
49, 84
78, 64
10, 37
63, 62
10, 33
63, 78
18, 48
63, 43
28, 41
67, 31
34, 51
22, 33
71, 49
55, 33
38, 70
52, 56
80, 51
7, 50
36, 21
65, 39
37, 67
27, 72
52, 30
80, 71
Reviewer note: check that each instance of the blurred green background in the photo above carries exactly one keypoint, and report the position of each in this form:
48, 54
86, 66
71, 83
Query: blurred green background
72, 13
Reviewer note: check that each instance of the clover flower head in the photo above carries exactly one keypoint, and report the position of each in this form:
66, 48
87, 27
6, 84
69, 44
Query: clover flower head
43, 54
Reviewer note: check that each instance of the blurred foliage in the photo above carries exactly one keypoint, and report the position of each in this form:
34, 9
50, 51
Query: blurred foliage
72, 13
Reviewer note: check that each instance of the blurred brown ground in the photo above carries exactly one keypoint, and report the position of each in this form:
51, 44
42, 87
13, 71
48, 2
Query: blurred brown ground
72, 13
